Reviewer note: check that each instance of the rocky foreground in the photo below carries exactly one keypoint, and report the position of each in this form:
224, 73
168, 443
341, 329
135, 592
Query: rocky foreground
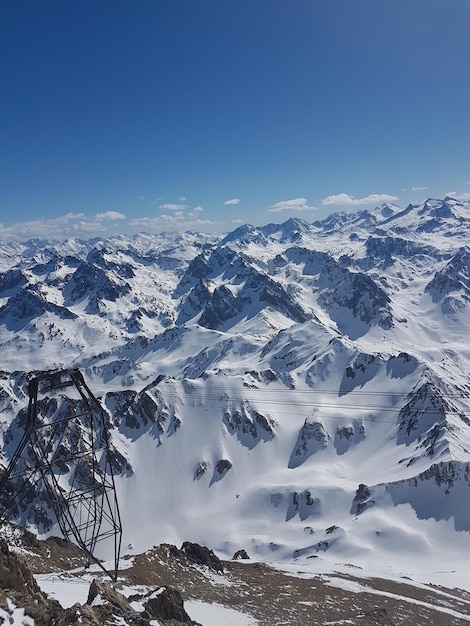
152, 587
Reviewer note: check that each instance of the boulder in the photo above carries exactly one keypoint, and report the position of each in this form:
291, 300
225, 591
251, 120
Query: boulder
202, 556
240, 555
166, 605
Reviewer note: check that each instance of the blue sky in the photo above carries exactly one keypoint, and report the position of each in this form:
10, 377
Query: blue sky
120, 116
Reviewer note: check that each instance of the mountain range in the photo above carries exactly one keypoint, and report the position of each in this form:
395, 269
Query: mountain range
296, 390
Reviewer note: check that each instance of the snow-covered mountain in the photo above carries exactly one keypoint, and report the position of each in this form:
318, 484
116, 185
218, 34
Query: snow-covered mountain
293, 390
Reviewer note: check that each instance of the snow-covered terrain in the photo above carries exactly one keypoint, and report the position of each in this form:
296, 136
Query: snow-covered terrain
294, 390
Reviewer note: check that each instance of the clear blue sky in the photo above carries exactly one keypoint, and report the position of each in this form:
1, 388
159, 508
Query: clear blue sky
119, 116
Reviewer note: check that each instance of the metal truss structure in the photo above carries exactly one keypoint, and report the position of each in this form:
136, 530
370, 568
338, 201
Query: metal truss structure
64, 452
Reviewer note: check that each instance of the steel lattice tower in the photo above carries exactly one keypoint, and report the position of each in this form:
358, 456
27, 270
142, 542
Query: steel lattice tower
66, 453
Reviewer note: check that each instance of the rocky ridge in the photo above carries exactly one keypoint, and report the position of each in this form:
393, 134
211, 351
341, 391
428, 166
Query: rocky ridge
164, 584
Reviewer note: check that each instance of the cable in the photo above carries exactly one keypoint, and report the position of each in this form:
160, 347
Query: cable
428, 413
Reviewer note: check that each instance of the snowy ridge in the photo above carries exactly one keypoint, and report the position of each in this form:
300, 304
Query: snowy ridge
294, 390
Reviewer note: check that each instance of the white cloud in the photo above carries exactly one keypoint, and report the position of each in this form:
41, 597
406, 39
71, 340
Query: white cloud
296, 204
106, 224
238, 222
157, 223
419, 188
154, 223
66, 218
85, 229
232, 201
194, 213
110, 215
68, 225
205, 223
173, 207
342, 199
177, 221
458, 196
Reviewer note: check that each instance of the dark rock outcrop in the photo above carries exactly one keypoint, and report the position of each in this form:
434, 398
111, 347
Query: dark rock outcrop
18, 588
20, 593
240, 555
202, 556
312, 438
166, 605
106, 601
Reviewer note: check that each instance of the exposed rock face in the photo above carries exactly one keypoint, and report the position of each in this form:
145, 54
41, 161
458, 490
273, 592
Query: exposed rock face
346, 436
341, 289
312, 438
202, 555
447, 482
386, 248
223, 467
146, 409
451, 285
361, 500
302, 504
249, 425
244, 292
14, 574
240, 555
11, 280
100, 258
201, 469
359, 372
366, 299
107, 601
223, 305
166, 605
19, 593
88, 279
424, 412
18, 587
29, 304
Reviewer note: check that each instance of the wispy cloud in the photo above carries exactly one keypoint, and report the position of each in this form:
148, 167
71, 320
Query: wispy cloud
154, 223
109, 215
232, 201
344, 199
106, 224
296, 204
419, 188
62, 227
173, 207
237, 221
458, 196
177, 221
195, 212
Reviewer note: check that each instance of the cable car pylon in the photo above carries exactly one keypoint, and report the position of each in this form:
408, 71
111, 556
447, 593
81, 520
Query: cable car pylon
64, 454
